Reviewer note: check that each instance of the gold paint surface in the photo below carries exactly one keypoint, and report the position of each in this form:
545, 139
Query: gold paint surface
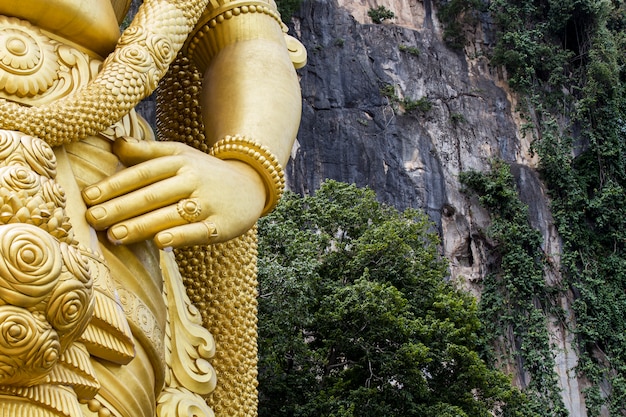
98, 316
90, 23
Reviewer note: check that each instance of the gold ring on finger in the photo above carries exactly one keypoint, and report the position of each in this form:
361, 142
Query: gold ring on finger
189, 209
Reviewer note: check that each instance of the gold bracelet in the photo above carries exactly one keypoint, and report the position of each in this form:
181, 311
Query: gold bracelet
258, 157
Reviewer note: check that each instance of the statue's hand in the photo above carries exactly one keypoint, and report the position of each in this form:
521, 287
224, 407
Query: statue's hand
175, 194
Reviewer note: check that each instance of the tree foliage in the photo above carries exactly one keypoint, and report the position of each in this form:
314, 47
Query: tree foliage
356, 318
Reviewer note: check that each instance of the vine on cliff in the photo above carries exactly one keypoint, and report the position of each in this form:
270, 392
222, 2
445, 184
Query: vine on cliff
455, 15
567, 60
516, 300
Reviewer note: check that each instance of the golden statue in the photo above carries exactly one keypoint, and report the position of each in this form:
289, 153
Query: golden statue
127, 264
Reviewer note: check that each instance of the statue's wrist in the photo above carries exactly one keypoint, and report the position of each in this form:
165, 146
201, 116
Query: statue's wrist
259, 158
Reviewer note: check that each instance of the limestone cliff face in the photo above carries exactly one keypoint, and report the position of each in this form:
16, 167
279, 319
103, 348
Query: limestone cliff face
352, 132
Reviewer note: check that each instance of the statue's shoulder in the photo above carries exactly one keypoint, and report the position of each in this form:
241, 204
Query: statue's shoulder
92, 24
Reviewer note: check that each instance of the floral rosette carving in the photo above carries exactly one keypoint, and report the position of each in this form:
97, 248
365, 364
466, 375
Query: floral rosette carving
132, 35
28, 62
28, 192
161, 48
143, 51
39, 156
71, 303
135, 57
20, 179
69, 309
29, 346
52, 192
46, 295
30, 264
9, 142
77, 263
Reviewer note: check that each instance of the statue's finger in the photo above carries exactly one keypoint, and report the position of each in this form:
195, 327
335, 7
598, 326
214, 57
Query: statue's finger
198, 233
138, 202
132, 151
130, 179
146, 226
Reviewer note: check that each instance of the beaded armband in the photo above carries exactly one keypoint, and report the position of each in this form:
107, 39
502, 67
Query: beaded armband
258, 157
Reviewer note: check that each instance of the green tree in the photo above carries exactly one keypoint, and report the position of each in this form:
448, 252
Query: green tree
356, 317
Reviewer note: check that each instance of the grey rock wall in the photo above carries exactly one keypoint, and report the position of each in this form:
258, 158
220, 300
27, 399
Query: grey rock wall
353, 133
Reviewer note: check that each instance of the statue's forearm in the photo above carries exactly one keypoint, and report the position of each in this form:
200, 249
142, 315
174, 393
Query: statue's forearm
250, 86
255, 93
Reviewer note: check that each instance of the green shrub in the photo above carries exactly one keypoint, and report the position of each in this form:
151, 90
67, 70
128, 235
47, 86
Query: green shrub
389, 91
380, 13
422, 104
412, 50
457, 118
